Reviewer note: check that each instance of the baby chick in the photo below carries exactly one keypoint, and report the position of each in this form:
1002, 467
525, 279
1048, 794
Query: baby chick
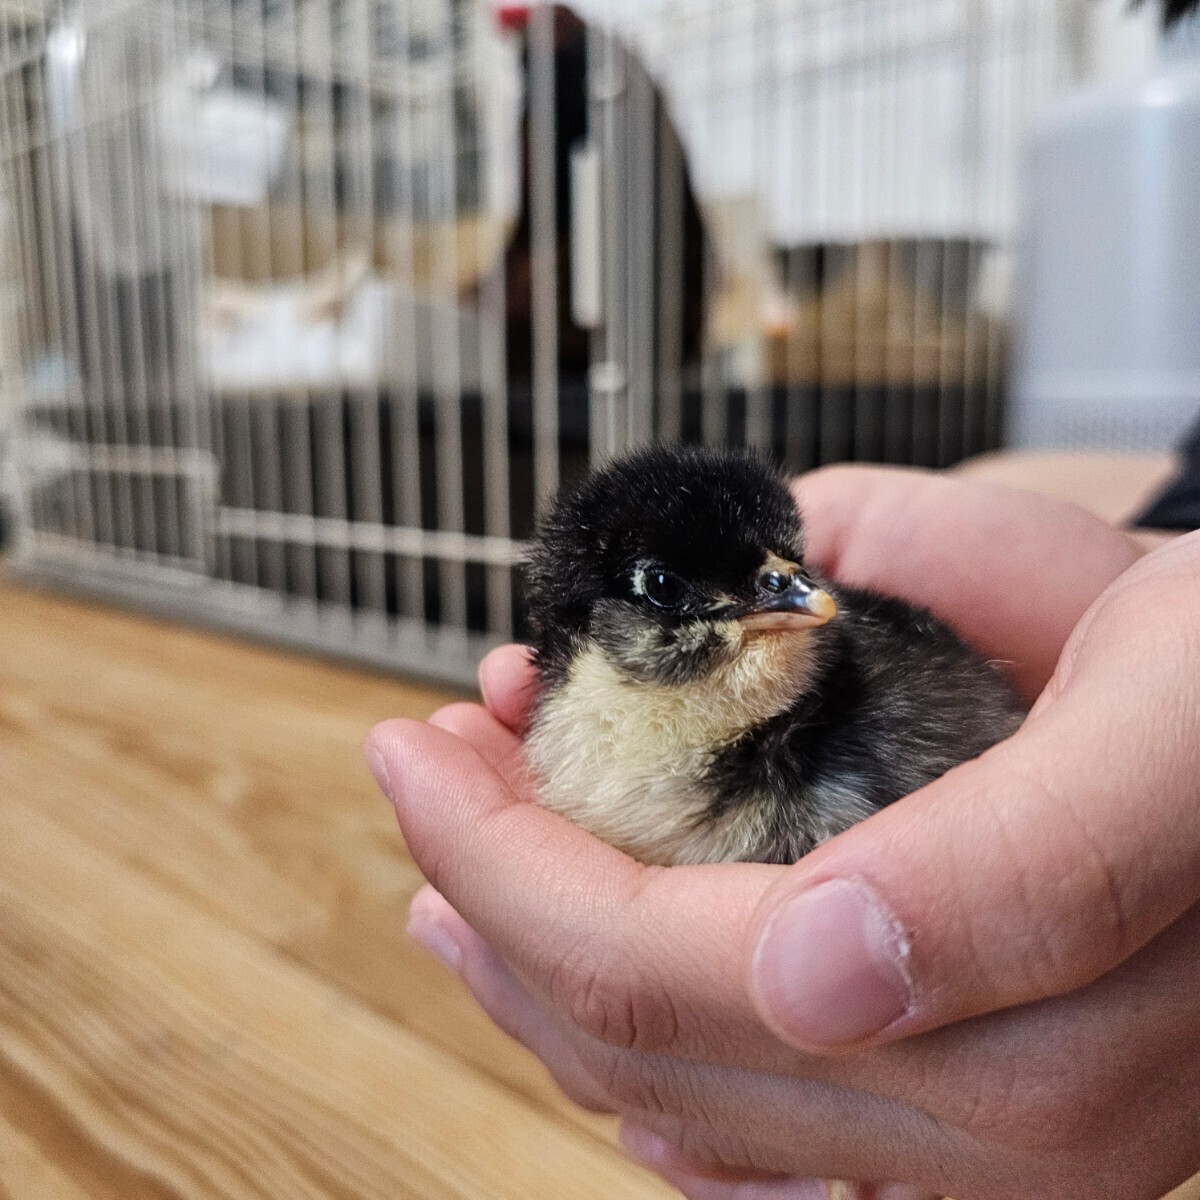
706, 697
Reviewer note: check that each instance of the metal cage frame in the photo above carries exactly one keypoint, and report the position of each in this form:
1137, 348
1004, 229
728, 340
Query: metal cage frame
308, 305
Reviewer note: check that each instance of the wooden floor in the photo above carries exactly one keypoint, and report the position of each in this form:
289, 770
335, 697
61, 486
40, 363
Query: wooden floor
205, 990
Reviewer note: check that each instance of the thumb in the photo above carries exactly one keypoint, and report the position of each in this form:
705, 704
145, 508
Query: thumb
1025, 874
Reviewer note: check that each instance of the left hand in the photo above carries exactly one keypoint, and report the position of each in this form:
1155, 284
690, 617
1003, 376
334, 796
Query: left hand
640, 987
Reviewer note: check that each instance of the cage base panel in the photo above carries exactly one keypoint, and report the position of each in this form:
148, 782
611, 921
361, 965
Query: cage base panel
410, 648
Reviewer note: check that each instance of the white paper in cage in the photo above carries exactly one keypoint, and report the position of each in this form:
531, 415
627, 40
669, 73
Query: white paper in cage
222, 146
852, 121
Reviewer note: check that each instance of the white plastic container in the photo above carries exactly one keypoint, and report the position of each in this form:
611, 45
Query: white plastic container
1108, 322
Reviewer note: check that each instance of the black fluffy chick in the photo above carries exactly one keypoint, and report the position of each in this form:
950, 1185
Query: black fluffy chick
705, 696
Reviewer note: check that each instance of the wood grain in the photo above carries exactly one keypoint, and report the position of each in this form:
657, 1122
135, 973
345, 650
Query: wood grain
204, 985
205, 990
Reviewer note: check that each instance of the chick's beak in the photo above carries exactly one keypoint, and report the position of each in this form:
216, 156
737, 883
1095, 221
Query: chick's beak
787, 604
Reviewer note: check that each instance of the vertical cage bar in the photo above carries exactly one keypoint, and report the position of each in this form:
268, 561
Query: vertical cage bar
280, 53
236, 406
400, 249
98, 173
319, 58
638, 177
801, 352
44, 252
763, 100
599, 134
543, 216
71, 309
447, 341
206, 406
68, 48
945, 381
17, 332
867, 256
174, 324
359, 77
255, 410
897, 390
493, 366
670, 243
714, 404
132, 398
610, 374
974, 70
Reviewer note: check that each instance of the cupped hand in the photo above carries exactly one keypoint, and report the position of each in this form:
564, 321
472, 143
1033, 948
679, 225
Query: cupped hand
987, 990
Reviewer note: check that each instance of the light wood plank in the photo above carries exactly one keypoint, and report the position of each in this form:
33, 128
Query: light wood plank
195, 1057
204, 985
233, 774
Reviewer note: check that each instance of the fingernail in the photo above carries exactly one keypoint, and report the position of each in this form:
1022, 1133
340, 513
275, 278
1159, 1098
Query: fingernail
648, 1148
482, 676
442, 719
901, 1191
379, 769
831, 967
436, 940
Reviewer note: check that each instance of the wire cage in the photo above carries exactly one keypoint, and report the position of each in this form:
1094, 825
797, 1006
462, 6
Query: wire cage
307, 305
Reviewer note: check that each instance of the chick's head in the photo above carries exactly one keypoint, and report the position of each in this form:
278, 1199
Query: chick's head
674, 563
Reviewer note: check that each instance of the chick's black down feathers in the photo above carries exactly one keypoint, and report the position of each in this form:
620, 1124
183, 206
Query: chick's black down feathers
707, 511
897, 701
867, 708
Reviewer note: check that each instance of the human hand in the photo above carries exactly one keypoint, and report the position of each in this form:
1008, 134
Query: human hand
680, 998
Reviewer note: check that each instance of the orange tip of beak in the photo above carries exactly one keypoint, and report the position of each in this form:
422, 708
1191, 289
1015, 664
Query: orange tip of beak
820, 608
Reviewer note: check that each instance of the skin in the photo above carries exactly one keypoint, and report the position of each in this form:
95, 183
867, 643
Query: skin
1049, 893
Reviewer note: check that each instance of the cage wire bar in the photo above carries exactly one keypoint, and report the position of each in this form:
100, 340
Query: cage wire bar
307, 306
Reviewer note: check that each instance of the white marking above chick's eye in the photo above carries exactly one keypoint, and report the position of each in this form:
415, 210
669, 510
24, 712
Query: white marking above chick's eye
719, 602
662, 588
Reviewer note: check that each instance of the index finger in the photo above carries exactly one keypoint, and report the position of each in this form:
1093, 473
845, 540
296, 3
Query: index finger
508, 682
1011, 572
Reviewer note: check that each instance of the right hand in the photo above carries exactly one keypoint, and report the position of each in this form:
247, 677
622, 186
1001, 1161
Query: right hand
1044, 1049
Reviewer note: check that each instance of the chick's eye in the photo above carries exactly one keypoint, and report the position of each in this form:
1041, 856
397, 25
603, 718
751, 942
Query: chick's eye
664, 589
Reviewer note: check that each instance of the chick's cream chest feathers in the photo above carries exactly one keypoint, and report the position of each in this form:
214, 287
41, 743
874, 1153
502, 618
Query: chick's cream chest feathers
704, 696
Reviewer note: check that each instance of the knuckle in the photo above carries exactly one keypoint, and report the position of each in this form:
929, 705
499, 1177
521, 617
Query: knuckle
632, 1083
597, 999
707, 1147
606, 995
727, 1148
581, 1090
1055, 1111
457, 718
697, 1144
1053, 947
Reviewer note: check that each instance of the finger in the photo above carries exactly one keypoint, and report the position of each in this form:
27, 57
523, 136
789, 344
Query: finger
681, 1147
836, 1125
699, 1178
508, 683
696, 1185
662, 1157
1113, 1064
700, 1187
968, 551
435, 925
591, 929
1025, 874
493, 741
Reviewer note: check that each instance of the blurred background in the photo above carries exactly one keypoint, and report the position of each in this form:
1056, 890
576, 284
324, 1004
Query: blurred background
306, 306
